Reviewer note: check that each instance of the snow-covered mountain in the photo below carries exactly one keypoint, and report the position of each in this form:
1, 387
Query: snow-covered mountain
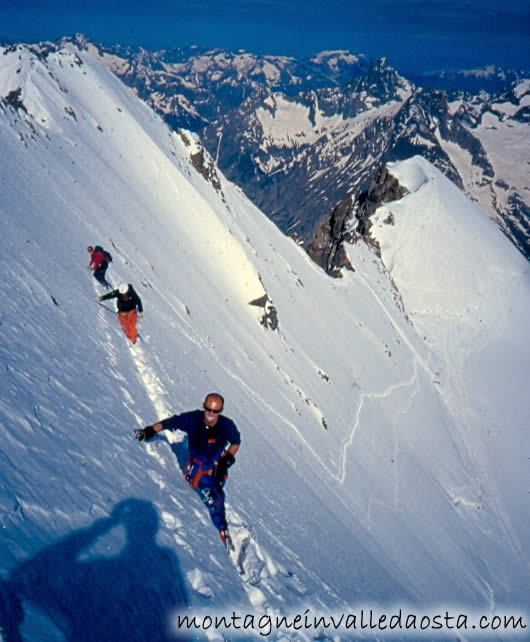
297, 156
193, 87
299, 136
384, 462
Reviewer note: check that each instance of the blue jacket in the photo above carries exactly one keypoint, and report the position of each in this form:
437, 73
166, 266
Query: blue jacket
204, 442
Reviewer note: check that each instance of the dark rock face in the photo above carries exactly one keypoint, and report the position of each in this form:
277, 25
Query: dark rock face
350, 220
383, 188
269, 319
14, 99
203, 163
327, 246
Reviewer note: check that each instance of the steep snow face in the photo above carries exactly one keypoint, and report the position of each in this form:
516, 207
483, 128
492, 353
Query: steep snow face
367, 472
427, 232
467, 294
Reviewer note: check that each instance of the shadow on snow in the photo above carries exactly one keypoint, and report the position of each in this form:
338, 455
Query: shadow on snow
130, 596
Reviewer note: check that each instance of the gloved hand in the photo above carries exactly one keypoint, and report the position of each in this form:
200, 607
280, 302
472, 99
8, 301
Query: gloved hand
144, 434
227, 460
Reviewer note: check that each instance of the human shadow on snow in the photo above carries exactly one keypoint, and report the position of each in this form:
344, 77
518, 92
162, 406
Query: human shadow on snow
90, 597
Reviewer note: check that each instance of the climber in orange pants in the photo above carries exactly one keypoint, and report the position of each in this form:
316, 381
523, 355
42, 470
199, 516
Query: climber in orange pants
128, 324
129, 307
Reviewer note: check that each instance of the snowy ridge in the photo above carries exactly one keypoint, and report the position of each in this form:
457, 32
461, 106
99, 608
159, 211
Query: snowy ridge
380, 463
367, 114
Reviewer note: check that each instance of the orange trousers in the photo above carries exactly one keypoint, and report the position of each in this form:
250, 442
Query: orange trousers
128, 324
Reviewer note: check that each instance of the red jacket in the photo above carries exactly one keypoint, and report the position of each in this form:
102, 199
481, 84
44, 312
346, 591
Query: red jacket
96, 259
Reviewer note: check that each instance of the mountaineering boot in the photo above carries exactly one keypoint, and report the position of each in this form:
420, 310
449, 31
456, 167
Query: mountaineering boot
226, 539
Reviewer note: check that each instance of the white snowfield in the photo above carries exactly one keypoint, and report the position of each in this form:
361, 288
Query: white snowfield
385, 443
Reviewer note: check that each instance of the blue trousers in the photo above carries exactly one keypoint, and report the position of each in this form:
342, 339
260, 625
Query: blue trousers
99, 274
213, 498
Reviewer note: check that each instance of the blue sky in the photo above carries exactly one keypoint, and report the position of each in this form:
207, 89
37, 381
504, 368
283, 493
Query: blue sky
414, 35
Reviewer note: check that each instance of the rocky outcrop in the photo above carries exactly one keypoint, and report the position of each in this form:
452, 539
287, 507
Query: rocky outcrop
327, 247
202, 161
350, 220
14, 99
269, 319
383, 188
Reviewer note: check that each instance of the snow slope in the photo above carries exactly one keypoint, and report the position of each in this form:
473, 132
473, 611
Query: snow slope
385, 446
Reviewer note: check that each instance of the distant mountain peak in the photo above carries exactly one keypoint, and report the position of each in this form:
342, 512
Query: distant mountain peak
300, 136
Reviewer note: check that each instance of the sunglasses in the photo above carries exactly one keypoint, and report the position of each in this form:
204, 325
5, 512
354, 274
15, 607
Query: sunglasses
215, 412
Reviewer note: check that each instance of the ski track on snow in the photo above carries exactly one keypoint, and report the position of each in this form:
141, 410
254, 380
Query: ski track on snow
341, 473
369, 395
418, 360
255, 567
